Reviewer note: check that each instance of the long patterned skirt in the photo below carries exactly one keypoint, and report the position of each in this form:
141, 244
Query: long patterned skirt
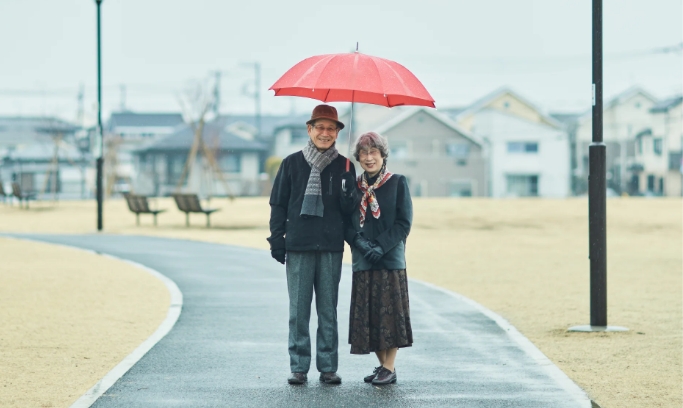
380, 311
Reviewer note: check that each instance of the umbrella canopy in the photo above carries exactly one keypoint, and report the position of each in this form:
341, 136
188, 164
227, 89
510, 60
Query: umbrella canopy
353, 77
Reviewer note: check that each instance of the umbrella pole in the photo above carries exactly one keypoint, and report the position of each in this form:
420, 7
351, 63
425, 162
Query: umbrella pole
348, 160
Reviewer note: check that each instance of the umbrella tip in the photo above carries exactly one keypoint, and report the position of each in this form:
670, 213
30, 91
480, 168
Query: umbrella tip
356, 46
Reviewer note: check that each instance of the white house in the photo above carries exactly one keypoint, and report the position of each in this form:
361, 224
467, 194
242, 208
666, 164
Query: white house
626, 119
659, 151
528, 151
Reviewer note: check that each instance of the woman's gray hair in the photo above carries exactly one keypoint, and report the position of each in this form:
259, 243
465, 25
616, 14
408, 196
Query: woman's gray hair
368, 140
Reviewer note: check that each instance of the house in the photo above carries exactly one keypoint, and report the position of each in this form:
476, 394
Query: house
528, 150
231, 167
126, 132
42, 156
626, 122
438, 158
659, 150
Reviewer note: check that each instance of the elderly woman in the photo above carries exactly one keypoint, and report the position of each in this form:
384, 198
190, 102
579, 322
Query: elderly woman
377, 232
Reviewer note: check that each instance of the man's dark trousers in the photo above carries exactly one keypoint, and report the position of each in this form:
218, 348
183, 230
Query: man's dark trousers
306, 272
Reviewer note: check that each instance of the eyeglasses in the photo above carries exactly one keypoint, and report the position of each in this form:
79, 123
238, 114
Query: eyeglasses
322, 129
371, 152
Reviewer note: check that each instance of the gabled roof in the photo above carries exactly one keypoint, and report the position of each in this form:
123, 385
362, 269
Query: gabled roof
136, 119
628, 94
214, 135
619, 99
269, 123
410, 112
15, 130
667, 104
483, 102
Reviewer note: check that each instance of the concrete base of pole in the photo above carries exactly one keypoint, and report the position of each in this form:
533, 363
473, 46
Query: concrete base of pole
589, 328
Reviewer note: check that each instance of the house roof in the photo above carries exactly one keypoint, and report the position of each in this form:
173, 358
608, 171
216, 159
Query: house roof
138, 119
16, 130
618, 99
667, 104
628, 94
269, 123
484, 101
410, 112
214, 135
565, 117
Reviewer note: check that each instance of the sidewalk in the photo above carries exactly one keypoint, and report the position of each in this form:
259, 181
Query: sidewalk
229, 346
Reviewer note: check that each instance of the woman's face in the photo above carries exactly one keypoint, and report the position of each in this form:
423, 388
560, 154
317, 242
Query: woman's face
371, 160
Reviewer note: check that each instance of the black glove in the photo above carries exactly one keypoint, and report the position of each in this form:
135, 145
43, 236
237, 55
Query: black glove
363, 244
278, 255
348, 183
375, 254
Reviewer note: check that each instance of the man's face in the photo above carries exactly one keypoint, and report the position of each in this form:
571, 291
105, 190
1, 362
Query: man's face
323, 133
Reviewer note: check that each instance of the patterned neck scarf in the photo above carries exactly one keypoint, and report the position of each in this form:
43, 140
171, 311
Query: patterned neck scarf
369, 197
313, 197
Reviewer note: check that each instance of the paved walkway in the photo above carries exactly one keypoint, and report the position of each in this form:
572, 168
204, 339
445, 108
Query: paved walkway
229, 346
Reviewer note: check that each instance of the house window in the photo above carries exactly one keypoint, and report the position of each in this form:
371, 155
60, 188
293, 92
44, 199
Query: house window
231, 163
458, 150
657, 146
523, 147
399, 149
299, 135
651, 183
506, 104
460, 188
174, 168
522, 185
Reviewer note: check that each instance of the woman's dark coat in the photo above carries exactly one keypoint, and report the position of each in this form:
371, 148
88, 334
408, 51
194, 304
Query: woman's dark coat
389, 231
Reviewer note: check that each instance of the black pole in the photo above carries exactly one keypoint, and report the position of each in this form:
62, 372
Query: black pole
597, 187
100, 160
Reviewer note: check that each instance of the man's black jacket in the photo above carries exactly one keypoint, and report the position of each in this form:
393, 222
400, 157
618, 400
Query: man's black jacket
288, 229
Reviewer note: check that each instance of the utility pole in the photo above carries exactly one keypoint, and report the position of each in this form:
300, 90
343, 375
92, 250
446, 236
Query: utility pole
597, 200
217, 94
122, 106
257, 96
80, 111
100, 159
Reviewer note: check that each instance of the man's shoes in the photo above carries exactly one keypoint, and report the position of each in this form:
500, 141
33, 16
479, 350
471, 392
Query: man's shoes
297, 378
369, 378
330, 378
384, 377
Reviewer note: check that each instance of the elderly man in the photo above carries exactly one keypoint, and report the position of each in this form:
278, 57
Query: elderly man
308, 208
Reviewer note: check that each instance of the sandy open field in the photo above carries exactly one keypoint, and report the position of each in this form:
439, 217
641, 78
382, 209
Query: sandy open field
524, 259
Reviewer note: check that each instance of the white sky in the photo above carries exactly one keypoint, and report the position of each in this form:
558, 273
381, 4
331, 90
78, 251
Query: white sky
460, 50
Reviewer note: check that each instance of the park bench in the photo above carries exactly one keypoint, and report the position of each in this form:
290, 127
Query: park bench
139, 205
189, 203
5, 197
22, 196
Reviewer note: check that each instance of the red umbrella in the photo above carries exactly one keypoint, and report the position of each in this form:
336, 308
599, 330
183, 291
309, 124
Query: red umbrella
353, 77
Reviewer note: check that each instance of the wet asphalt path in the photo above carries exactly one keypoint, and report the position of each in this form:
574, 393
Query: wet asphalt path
229, 346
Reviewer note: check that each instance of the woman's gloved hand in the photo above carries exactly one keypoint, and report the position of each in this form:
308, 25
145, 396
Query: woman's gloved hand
375, 254
363, 244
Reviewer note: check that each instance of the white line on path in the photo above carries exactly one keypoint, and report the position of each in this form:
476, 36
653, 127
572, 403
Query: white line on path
525, 344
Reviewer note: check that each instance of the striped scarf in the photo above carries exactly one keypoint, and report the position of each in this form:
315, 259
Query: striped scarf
313, 197
369, 197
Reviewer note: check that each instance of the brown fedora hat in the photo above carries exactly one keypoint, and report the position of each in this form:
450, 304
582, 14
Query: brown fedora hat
325, 112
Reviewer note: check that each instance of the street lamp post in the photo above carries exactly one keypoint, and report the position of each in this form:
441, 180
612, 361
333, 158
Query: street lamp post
100, 134
597, 200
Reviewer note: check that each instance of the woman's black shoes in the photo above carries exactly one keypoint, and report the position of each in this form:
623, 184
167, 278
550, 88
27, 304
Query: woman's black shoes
369, 378
384, 377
